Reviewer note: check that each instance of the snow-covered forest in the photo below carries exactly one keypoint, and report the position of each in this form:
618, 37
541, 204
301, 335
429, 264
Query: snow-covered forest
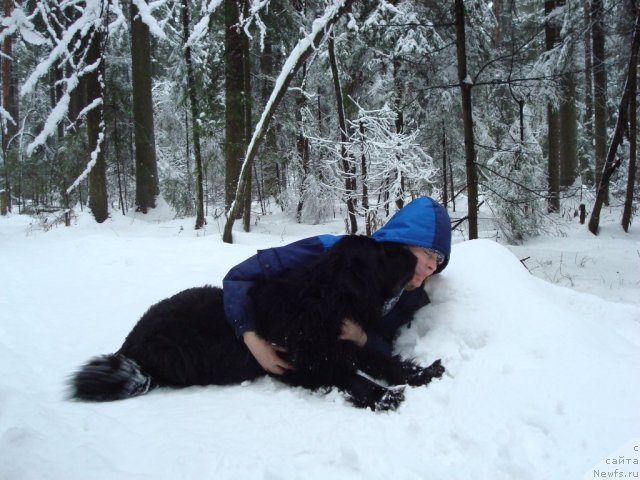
148, 127
301, 105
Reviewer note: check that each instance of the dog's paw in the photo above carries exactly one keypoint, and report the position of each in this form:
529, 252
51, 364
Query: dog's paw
379, 399
436, 369
425, 375
390, 400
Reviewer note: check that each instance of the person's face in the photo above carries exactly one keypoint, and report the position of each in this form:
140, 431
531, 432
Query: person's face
427, 264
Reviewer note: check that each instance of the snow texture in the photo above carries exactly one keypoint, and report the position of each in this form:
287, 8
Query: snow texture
541, 380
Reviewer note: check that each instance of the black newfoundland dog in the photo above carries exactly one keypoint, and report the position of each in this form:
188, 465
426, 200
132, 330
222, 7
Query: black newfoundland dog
186, 340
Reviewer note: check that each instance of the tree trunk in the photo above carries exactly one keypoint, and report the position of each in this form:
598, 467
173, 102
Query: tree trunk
4, 202
98, 202
195, 125
147, 186
271, 177
234, 108
467, 119
301, 52
57, 69
633, 142
302, 143
8, 98
8, 103
600, 91
246, 104
568, 123
553, 172
568, 130
365, 184
612, 163
445, 196
122, 194
348, 165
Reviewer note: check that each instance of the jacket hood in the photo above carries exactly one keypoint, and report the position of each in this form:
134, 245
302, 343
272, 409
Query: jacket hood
422, 223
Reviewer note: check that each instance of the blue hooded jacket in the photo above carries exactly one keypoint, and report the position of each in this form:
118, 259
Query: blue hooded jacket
423, 223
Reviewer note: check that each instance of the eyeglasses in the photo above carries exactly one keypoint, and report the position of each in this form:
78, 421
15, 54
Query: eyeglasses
439, 256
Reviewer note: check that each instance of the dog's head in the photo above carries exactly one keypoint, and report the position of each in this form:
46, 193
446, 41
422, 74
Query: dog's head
398, 265
386, 267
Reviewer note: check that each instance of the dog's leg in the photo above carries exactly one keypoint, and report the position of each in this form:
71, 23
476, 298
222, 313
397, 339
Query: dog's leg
397, 371
425, 374
364, 393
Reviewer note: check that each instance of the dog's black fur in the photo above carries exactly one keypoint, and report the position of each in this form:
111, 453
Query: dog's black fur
186, 340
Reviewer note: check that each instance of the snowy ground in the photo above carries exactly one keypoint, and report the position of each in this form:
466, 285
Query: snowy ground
541, 379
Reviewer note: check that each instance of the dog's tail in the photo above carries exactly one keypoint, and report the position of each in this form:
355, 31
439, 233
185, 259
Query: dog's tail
109, 377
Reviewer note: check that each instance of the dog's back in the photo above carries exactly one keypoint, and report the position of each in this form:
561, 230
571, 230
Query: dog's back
180, 341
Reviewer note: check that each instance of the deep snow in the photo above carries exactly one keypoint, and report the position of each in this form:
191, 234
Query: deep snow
541, 379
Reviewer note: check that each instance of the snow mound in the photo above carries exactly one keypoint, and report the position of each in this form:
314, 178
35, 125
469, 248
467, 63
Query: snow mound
541, 378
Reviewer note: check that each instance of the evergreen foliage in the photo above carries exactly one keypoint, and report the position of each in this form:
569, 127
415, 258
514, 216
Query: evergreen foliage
401, 93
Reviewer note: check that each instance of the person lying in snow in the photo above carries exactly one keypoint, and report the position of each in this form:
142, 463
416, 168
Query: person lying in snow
336, 312
423, 226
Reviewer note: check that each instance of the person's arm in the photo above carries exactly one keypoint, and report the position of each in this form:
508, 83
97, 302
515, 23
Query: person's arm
381, 340
266, 354
264, 265
237, 306
241, 278
235, 291
353, 332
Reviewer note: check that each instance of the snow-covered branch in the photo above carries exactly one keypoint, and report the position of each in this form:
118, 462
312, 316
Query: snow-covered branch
21, 23
69, 48
297, 57
144, 11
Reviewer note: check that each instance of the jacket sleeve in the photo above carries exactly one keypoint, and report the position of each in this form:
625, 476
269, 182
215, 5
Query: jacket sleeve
382, 339
235, 288
377, 343
263, 266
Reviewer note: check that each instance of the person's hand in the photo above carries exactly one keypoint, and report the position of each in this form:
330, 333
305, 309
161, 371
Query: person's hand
353, 332
266, 354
